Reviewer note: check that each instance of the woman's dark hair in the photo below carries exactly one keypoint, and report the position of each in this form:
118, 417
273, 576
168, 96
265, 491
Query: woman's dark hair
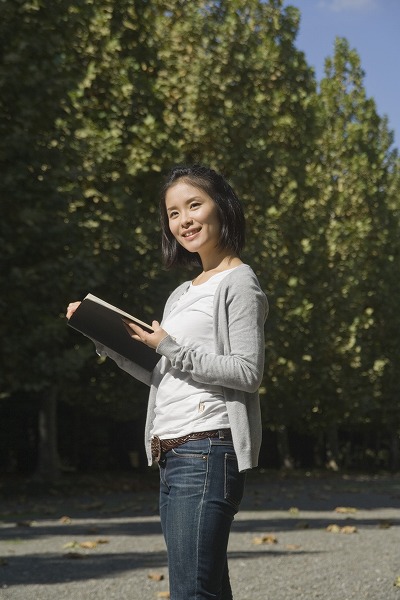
230, 212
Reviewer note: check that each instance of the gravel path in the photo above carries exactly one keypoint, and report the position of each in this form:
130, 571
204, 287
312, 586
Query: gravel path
101, 543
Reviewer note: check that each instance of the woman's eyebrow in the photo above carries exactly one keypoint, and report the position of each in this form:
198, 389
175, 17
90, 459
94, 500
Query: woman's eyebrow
188, 201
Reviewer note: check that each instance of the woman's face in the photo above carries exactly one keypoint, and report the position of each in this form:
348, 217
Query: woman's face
193, 218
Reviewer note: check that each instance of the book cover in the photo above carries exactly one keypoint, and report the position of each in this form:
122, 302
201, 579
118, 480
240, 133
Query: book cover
102, 322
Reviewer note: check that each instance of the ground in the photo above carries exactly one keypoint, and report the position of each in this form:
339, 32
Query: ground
299, 536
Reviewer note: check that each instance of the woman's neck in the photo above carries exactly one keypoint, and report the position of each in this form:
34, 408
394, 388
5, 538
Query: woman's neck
216, 264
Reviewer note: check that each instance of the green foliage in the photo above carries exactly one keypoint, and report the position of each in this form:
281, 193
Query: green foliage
353, 172
98, 99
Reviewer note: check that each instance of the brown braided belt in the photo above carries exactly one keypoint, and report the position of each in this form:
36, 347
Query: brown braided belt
159, 446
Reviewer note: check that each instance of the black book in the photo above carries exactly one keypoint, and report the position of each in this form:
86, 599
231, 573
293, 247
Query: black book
104, 323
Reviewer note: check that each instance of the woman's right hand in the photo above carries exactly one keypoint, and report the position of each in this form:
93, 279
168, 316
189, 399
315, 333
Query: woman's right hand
71, 309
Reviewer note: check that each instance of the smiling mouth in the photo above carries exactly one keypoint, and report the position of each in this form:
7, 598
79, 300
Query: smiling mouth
191, 233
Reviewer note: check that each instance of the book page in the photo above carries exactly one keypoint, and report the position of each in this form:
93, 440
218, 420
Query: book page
119, 311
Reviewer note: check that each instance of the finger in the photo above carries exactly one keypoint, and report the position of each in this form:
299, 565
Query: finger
138, 333
127, 325
136, 329
71, 308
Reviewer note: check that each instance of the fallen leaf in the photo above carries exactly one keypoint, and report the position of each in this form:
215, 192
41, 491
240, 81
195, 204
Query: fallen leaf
292, 546
66, 520
337, 529
155, 576
397, 582
348, 529
293, 510
345, 509
265, 539
89, 544
71, 545
163, 595
333, 529
385, 524
25, 523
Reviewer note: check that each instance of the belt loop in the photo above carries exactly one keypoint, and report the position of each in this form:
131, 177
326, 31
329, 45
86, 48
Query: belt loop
221, 434
156, 450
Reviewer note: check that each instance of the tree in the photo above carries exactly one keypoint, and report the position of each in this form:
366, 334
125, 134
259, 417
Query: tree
115, 114
353, 222
246, 107
97, 100
37, 71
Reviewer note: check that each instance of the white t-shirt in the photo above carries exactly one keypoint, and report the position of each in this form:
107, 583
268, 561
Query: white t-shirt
184, 406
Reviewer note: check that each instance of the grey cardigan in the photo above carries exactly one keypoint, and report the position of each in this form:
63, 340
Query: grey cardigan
240, 310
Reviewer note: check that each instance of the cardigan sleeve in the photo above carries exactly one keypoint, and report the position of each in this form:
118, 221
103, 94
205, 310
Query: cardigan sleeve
238, 362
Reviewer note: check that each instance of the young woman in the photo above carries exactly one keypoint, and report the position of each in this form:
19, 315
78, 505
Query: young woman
203, 421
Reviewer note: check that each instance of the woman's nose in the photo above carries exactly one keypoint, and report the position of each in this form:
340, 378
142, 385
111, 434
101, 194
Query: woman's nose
186, 221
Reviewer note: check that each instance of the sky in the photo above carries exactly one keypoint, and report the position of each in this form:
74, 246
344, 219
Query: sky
372, 28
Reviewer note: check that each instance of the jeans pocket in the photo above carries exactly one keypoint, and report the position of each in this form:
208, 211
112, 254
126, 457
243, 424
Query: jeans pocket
234, 481
192, 449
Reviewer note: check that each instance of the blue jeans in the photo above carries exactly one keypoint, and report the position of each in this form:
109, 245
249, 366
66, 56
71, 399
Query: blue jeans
200, 492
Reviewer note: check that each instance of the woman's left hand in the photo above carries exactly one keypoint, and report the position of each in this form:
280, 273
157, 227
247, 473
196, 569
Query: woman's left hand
150, 339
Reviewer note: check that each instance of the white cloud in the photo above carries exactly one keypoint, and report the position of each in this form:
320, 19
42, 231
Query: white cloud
342, 5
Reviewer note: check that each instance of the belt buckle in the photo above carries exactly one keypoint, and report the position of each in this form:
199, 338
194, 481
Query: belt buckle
156, 448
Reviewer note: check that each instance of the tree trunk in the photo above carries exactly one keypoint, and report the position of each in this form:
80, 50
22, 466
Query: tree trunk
394, 451
332, 448
48, 467
319, 449
285, 457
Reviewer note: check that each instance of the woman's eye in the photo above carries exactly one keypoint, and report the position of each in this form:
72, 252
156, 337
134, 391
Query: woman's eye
173, 214
195, 204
